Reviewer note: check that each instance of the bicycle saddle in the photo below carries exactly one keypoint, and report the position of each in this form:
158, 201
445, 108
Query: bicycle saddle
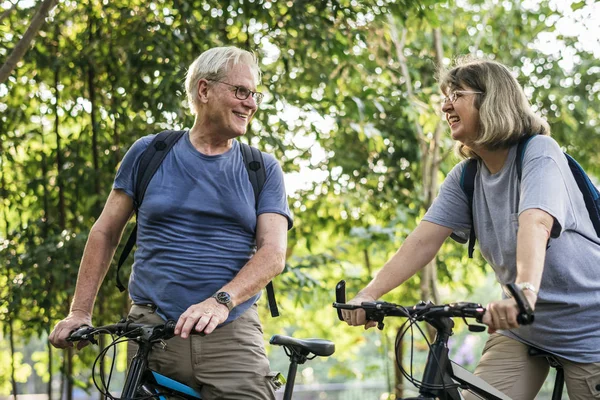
319, 347
552, 360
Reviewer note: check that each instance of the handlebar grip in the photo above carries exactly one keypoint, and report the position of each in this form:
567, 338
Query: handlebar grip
340, 296
170, 329
526, 315
81, 333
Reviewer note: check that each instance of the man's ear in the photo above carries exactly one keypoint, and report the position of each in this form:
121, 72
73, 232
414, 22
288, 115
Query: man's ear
202, 90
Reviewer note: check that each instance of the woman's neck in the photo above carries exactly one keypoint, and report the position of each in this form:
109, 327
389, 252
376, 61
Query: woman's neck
493, 159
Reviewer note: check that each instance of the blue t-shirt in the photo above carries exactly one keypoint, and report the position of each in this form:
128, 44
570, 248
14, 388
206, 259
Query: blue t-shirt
197, 224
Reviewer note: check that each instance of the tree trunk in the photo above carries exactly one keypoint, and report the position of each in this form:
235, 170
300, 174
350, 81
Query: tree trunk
50, 373
70, 373
9, 277
430, 158
399, 387
21, 48
13, 379
62, 213
91, 77
63, 378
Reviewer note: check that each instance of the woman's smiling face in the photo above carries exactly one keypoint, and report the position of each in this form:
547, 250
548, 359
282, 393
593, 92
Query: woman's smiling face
462, 115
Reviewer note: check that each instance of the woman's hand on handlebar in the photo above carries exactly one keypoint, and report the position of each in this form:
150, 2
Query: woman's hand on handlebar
502, 314
358, 317
63, 329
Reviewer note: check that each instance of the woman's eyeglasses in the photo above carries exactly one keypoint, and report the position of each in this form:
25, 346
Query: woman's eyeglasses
456, 94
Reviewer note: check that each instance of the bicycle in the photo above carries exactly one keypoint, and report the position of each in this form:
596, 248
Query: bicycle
142, 382
442, 377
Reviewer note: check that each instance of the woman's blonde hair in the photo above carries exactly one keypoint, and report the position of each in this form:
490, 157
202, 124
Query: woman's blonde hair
505, 115
214, 64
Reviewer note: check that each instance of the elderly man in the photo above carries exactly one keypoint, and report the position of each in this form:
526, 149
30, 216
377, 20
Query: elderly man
198, 227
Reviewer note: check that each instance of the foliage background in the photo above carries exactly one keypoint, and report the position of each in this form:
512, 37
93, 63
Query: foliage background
352, 113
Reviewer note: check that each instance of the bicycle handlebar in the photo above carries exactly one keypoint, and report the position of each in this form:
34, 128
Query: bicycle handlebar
378, 310
127, 329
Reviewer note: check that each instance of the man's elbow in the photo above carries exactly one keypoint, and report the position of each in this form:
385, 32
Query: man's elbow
100, 232
277, 256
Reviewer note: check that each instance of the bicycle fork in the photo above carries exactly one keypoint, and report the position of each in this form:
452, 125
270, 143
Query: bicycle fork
437, 381
138, 366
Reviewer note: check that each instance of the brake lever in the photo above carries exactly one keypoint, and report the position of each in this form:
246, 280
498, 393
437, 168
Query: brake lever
340, 296
526, 315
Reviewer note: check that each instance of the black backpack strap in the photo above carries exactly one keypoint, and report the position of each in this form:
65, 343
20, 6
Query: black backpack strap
148, 164
591, 196
254, 163
124, 253
521, 154
467, 182
151, 160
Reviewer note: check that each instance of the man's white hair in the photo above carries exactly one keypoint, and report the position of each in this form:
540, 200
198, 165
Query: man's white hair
215, 64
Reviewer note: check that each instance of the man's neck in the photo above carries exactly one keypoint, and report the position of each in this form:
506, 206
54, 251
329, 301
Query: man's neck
208, 143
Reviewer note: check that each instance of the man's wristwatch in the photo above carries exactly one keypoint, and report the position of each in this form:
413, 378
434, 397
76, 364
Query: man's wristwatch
527, 286
223, 298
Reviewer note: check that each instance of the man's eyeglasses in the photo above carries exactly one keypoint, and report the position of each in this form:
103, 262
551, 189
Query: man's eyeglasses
456, 94
242, 93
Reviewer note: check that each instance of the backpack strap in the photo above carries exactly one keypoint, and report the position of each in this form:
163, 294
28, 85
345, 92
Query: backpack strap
254, 163
149, 162
521, 154
467, 182
591, 196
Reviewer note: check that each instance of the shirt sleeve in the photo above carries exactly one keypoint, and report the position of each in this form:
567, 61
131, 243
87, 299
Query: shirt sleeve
273, 197
545, 183
125, 178
451, 207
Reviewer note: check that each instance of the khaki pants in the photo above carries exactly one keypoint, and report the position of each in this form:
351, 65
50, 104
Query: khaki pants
506, 365
229, 363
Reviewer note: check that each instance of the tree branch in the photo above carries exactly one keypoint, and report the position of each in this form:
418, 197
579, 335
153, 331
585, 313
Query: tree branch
7, 12
21, 48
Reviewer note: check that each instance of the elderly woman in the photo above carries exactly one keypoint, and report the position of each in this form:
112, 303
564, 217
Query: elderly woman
534, 232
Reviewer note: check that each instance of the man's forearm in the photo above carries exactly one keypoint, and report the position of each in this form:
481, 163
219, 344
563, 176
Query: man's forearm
267, 263
95, 262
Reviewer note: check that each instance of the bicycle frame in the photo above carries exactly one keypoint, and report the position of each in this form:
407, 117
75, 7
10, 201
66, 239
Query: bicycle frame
141, 378
142, 382
443, 374
442, 378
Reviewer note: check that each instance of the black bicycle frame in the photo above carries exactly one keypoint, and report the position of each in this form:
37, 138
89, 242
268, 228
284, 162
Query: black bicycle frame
442, 375
138, 367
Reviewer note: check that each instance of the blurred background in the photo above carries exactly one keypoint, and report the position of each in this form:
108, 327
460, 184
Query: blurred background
352, 112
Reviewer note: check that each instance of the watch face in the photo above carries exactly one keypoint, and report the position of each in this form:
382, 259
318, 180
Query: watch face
223, 297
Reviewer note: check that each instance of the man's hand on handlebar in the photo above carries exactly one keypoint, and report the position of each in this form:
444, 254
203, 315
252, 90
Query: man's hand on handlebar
358, 317
62, 330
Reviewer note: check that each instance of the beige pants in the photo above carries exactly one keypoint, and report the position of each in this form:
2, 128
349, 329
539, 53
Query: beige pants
506, 365
230, 363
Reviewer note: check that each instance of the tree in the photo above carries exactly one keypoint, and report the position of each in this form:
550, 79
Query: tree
351, 98
21, 47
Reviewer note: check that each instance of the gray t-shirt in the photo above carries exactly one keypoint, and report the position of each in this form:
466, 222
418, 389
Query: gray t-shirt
197, 224
567, 319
